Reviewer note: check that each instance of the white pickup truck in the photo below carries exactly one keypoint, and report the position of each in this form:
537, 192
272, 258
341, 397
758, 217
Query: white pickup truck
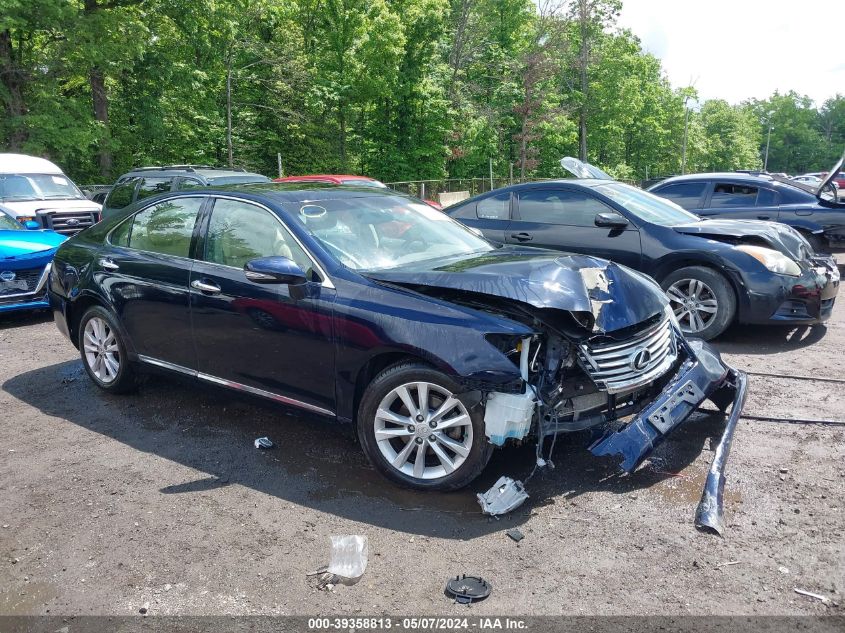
35, 190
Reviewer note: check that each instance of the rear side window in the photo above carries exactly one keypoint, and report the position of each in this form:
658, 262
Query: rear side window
152, 186
733, 195
766, 198
561, 206
122, 193
684, 194
495, 207
166, 227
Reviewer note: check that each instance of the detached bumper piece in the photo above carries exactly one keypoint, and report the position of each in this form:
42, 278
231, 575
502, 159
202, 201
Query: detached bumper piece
701, 376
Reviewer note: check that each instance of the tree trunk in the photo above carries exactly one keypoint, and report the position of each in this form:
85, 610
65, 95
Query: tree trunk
12, 79
341, 122
583, 63
229, 150
101, 114
100, 101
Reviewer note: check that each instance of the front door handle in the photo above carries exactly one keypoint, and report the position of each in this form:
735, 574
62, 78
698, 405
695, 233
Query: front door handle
204, 286
764, 217
522, 237
107, 263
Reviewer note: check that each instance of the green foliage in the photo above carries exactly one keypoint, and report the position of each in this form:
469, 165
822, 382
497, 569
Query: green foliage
395, 89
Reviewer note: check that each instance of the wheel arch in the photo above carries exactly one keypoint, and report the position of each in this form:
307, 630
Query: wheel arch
670, 264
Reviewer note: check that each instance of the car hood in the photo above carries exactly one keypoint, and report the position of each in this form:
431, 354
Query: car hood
615, 296
16, 243
826, 182
780, 237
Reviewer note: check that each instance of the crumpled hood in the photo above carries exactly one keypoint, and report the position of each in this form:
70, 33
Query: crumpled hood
16, 243
614, 295
780, 237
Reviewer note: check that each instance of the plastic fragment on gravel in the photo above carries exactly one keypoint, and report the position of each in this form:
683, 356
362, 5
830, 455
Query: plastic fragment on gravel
505, 496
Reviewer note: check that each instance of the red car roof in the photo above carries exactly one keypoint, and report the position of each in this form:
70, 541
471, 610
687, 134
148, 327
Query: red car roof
336, 179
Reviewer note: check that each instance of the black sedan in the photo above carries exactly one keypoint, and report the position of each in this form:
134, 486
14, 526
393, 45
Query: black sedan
715, 272
374, 309
814, 211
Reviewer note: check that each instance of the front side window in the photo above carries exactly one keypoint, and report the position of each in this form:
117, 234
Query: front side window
239, 232
166, 227
684, 194
121, 195
152, 186
496, 207
560, 206
733, 195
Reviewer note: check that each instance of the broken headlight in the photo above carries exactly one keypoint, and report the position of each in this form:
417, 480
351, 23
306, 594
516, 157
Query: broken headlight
773, 260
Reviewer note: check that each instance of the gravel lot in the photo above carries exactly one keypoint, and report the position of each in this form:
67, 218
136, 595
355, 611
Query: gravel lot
109, 504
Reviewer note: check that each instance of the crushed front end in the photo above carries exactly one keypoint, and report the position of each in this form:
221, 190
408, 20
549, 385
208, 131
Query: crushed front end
636, 384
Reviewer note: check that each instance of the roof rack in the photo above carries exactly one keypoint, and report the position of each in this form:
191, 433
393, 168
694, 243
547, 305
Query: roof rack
186, 168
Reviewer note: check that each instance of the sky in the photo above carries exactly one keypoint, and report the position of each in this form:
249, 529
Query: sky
739, 49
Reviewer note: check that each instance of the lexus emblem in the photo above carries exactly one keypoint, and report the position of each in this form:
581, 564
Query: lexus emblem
7, 275
72, 222
640, 359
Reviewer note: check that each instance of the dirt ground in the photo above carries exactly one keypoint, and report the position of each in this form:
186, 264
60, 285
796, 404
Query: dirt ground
110, 504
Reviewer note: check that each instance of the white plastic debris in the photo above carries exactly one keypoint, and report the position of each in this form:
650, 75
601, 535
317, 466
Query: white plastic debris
505, 496
263, 442
810, 594
349, 557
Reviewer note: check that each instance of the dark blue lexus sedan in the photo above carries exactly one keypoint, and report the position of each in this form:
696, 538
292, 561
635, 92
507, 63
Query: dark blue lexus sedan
375, 309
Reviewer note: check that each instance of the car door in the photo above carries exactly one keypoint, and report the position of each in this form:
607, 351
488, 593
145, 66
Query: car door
739, 201
564, 219
490, 215
144, 267
689, 195
272, 339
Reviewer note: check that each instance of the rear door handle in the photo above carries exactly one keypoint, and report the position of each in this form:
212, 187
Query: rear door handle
204, 286
764, 217
107, 263
522, 237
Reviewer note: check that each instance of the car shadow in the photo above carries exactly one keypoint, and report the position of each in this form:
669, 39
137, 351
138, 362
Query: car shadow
212, 431
768, 339
23, 318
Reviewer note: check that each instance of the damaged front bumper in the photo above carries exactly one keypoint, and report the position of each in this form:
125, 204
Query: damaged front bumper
701, 376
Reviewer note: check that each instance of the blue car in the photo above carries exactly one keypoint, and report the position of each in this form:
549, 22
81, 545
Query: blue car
25, 258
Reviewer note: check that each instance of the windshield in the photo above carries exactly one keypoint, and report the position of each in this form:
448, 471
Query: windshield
8, 223
647, 206
37, 187
382, 232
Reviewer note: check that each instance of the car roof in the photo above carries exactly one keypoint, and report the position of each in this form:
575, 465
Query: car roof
720, 175
332, 177
301, 191
204, 171
23, 164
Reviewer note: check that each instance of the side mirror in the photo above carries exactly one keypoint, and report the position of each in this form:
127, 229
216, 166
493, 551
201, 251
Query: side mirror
611, 220
274, 270
32, 225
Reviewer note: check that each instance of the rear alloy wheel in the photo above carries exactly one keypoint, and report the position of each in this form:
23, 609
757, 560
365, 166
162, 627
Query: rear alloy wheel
104, 353
702, 301
418, 433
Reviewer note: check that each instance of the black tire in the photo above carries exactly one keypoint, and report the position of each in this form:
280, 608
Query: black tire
717, 286
125, 378
380, 388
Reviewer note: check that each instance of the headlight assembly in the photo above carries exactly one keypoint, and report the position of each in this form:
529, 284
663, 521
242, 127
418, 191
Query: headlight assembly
773, 260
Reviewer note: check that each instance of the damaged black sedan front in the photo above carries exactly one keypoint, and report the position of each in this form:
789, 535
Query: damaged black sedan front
374, 309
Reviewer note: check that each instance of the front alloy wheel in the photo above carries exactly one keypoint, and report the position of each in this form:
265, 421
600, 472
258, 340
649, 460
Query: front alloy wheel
418, 432
423, 431
694, 304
